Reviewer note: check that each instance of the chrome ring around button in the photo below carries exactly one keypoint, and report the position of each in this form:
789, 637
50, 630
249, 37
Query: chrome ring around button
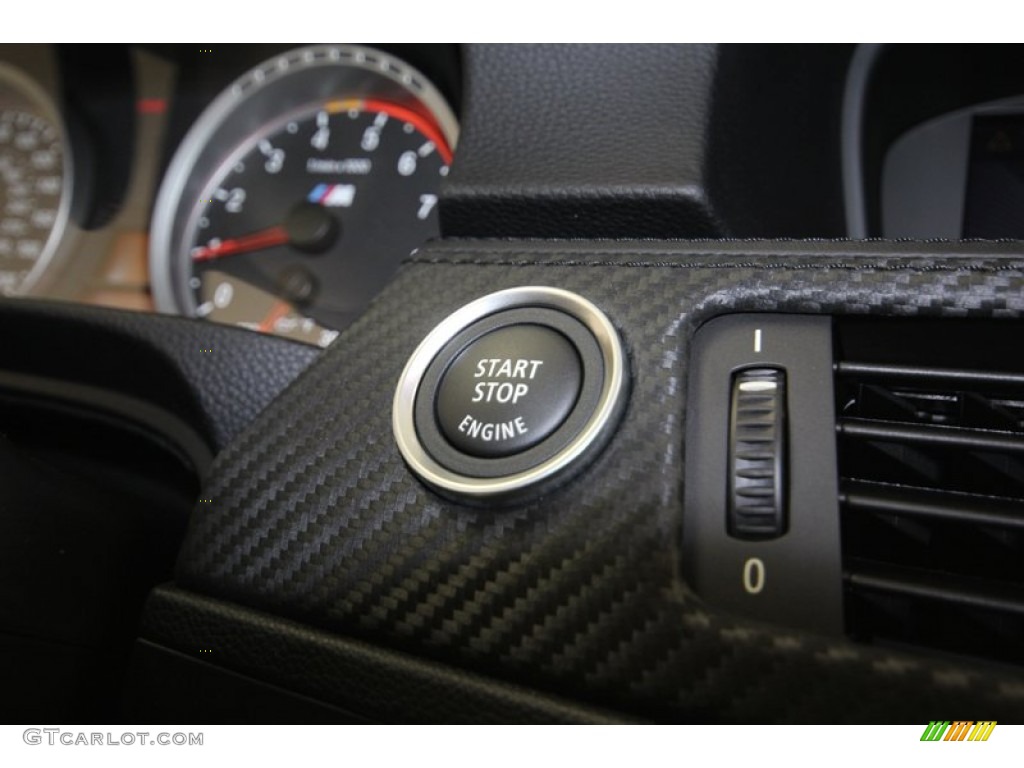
595, 430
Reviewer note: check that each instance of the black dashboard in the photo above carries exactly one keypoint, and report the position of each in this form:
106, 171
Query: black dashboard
529, 383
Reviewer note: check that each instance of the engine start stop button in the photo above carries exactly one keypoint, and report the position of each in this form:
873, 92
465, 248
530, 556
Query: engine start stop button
510, 395
508, 391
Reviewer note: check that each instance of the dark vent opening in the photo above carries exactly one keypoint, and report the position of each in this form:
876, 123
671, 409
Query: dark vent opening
931, 462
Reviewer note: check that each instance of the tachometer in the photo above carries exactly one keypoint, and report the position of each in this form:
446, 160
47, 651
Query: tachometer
299, 190
35, 181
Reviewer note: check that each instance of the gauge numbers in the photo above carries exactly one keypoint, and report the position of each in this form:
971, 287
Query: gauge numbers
305, 203
299, 191
31, 191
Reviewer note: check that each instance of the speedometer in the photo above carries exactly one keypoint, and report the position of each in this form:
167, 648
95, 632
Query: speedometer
35, 181
299, 190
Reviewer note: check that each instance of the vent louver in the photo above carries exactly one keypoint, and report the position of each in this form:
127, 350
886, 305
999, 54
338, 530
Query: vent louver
931, 464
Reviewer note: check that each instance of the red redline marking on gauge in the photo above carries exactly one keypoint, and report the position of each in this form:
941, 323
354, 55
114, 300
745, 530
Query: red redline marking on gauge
265, 238
151, 106
422, 124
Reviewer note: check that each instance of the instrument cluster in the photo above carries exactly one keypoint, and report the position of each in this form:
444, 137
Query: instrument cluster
273, 188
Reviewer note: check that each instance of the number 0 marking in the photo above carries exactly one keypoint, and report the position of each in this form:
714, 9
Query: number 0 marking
753, 575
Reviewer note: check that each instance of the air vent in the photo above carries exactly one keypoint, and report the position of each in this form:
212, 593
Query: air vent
931, 465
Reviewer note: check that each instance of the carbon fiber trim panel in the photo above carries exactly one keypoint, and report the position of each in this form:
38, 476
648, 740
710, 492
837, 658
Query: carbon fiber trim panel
367, 681
316, 518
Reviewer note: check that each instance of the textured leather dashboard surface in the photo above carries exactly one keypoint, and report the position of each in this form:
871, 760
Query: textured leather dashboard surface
648, 141
599, 141
215, 377
315, 518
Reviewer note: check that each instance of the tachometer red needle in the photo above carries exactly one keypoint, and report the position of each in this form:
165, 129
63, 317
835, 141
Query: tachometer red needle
265, 238
279, 310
